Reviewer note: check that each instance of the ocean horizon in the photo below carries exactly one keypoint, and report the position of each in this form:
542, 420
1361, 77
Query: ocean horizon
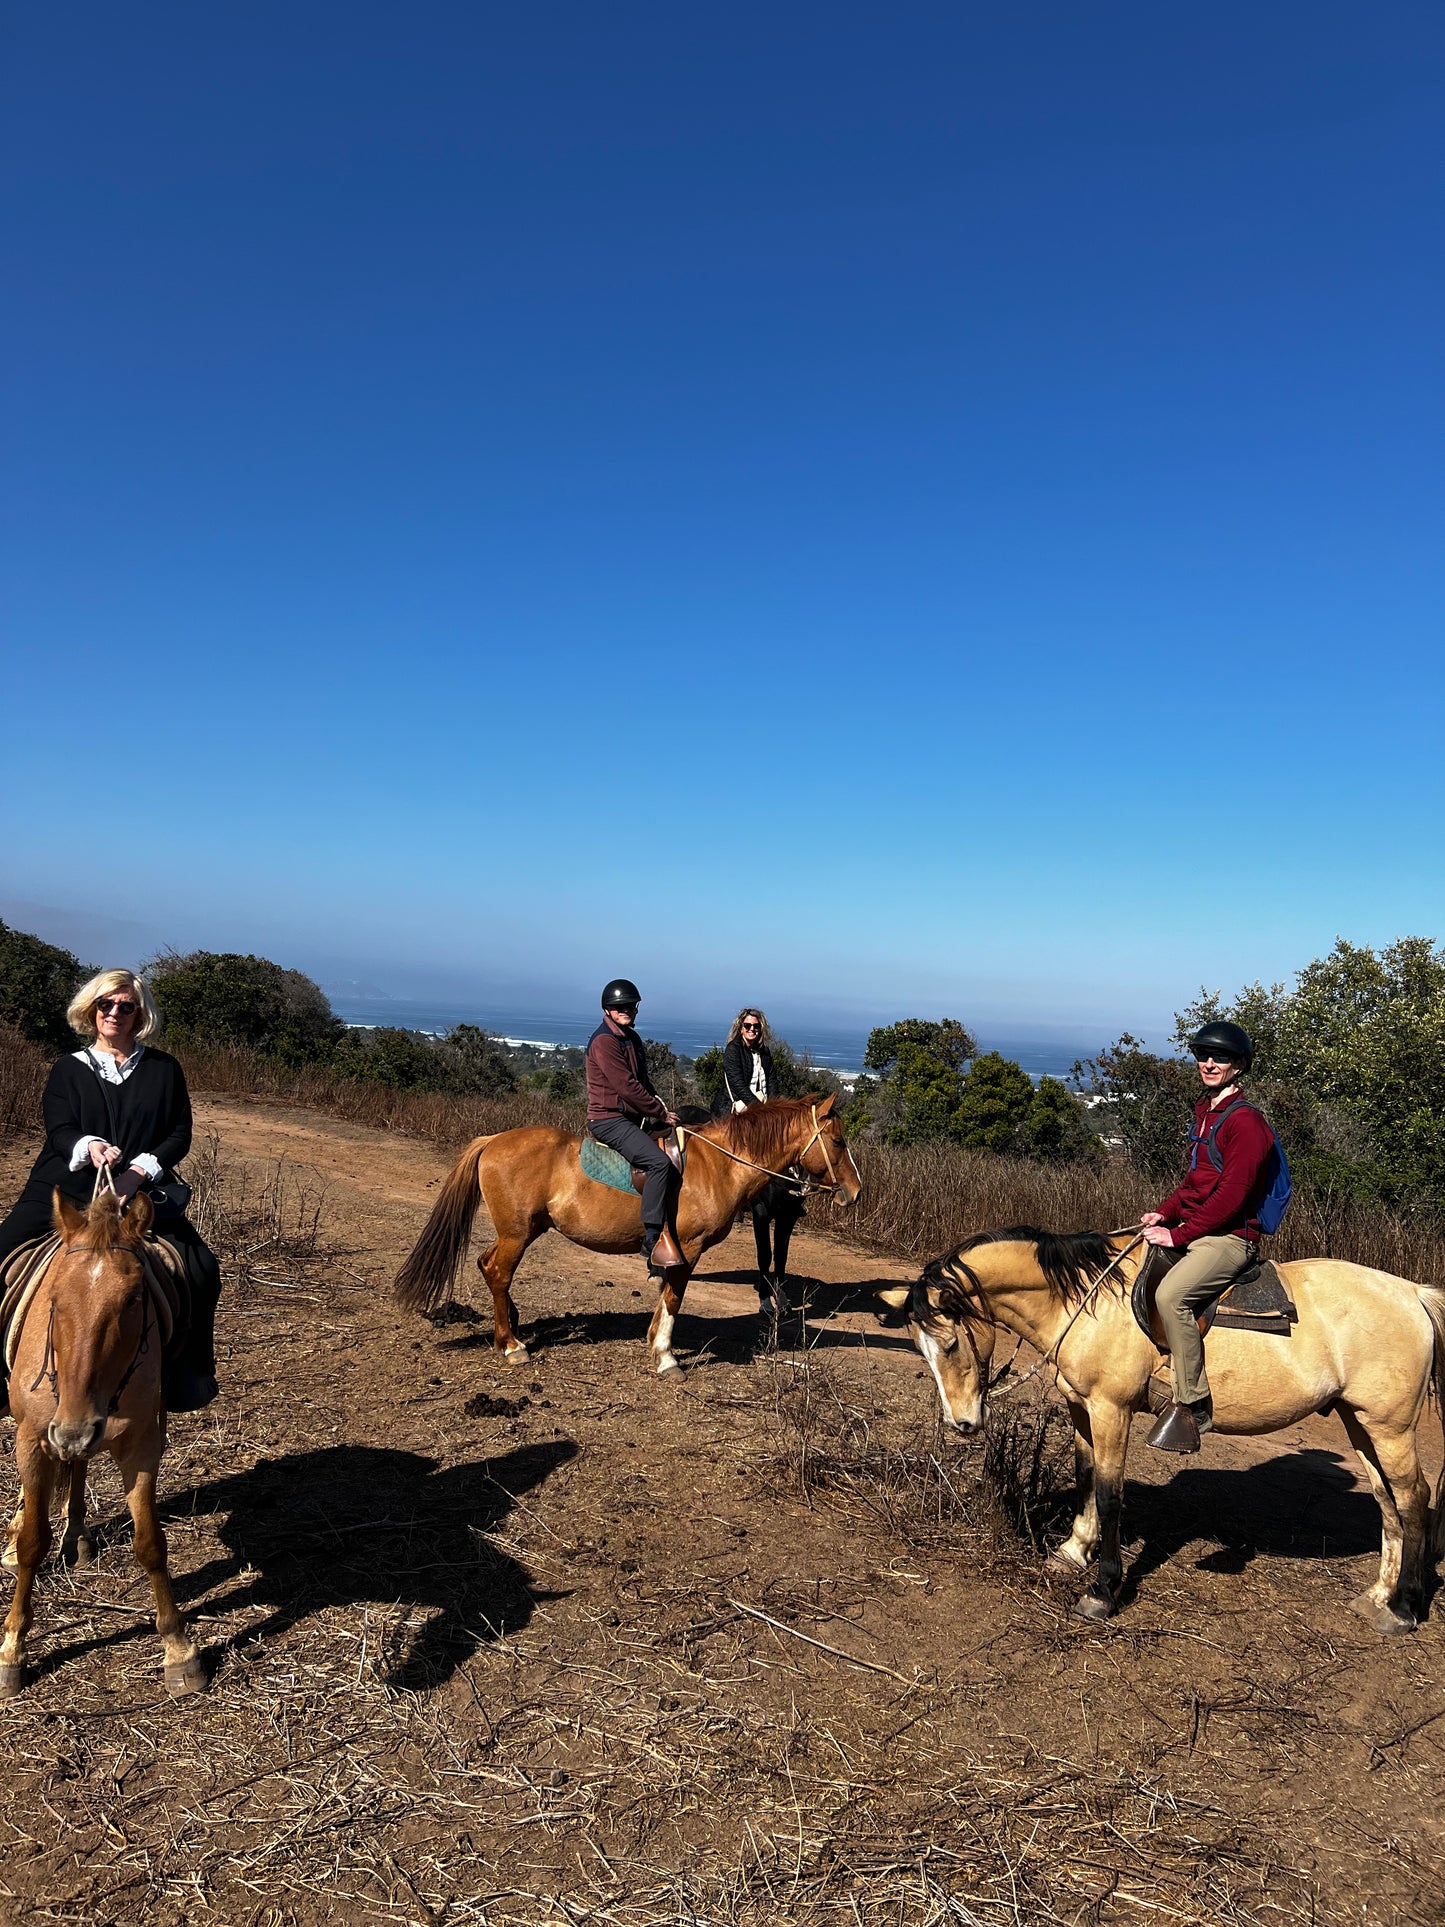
835, 1048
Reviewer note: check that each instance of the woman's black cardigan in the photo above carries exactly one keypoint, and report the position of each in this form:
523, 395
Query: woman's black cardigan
737, 1065
150, 1111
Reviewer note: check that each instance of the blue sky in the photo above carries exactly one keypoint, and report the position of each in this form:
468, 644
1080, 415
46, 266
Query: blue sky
926, 508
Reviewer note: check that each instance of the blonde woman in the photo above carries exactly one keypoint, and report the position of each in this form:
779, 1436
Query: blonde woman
119, 1103
750, 1078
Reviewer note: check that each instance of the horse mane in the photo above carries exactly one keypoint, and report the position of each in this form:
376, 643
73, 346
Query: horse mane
1069, 1260
762, 1132
106, 1226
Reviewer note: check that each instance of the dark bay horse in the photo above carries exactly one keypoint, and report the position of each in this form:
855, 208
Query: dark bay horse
1366, 1345
532, 1179
87, 1379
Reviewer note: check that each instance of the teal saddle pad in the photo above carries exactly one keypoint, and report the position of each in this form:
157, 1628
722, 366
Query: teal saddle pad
606, 1166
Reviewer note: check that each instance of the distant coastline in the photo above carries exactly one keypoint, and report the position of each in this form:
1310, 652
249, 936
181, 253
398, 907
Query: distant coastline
835, 1048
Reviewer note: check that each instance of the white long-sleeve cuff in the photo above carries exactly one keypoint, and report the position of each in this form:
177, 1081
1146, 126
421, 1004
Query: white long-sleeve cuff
81, 1154
149, 1165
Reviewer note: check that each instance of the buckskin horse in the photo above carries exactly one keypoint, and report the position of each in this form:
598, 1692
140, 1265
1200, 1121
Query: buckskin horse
532, 1178
1365, 1345
86, 1378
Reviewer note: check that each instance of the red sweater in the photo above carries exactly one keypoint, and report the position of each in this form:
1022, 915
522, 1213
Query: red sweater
1210, 1203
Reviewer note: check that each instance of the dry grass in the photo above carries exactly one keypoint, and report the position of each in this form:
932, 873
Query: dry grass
924, 1198
23, 1069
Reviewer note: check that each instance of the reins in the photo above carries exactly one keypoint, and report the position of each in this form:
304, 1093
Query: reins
804, 1186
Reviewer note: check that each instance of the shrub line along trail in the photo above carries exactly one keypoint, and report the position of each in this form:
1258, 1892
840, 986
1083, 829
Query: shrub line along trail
504, 1646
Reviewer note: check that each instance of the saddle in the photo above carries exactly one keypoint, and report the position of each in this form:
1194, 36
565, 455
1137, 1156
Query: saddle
605, 1166
1256, 1300
163, 1266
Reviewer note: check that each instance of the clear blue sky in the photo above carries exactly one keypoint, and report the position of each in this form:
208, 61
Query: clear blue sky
924, 508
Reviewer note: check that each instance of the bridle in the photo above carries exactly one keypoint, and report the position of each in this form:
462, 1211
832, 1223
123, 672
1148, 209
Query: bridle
805, 1186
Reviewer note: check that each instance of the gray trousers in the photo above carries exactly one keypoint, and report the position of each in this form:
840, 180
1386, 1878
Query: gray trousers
1194, 1282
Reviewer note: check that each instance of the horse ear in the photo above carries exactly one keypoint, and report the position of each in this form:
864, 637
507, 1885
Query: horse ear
894, 1296
67, 1220
140, 1216
828, 1105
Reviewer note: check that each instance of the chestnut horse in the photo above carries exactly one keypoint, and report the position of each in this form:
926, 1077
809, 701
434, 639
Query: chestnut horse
87, 1378
532, 1179
1366, 1345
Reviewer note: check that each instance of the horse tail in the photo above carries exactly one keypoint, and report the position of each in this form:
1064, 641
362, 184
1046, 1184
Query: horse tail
1432, 1297
428, 1278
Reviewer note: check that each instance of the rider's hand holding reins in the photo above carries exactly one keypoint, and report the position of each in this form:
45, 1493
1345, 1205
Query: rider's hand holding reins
102, 1153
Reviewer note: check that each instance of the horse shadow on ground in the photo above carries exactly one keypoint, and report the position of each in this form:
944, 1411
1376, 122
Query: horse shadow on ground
353, 1525
1300, 1505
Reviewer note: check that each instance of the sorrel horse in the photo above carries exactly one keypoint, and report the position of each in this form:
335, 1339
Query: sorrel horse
532, 1179
86, 1379
1366, 1345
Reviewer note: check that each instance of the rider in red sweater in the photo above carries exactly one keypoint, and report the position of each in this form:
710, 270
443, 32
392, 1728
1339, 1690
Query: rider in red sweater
1212, 1215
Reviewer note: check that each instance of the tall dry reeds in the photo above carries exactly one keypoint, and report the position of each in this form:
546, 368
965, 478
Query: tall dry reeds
23, 1070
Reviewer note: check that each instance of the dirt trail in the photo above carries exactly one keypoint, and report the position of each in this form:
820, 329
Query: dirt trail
568, 1643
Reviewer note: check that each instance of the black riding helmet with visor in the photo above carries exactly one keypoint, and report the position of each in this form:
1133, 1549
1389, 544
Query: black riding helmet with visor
621, 994
1222, 1040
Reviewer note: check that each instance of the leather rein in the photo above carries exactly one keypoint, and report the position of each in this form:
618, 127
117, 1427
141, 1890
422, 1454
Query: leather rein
804, 1186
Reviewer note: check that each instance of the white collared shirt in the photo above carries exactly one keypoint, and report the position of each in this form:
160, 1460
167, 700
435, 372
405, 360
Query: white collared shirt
112, 1070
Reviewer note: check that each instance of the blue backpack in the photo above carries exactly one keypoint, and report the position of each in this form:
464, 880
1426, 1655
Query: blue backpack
1275, 1202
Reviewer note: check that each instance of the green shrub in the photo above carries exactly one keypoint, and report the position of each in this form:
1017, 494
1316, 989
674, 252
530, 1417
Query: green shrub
997, 1097
37, 981
247, 1003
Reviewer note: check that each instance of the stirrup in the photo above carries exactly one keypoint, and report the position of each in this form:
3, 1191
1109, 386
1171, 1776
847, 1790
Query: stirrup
1177, 1430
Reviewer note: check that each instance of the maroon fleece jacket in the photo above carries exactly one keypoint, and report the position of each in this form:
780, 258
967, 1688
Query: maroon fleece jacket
1212, 1203
617, 1080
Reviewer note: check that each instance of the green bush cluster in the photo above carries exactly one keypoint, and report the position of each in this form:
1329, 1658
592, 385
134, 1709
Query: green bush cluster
37, 981
931, 1084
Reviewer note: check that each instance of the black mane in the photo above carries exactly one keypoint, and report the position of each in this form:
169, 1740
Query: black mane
1069, 1260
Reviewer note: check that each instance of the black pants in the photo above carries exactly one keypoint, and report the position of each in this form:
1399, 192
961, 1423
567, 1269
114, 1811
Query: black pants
776, 1209
33, 1217
638, 1148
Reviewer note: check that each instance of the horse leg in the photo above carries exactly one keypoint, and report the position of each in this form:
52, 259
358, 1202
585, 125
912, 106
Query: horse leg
31, 1544
1392, 1463
77, 1548
498, 1265
659, 1332
185, 1671
1109, 1431
12, 1532
1076, 1554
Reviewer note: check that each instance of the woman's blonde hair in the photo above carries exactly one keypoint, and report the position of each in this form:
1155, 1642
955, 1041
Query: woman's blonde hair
750, 1010
81, 1012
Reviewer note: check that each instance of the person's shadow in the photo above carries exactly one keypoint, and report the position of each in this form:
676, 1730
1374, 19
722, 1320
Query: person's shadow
361, 1524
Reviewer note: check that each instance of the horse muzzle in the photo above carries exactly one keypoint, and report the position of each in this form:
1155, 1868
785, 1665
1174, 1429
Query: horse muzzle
76, 1440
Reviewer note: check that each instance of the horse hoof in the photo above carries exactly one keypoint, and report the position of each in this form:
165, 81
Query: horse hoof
80, 1553
667, 1363
1062, 1566
1095, 1604
1384, 1619
515, 1355
12, 1678
186, 1676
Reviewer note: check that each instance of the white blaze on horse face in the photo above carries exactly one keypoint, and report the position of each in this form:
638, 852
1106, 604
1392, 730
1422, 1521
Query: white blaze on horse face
965, 1412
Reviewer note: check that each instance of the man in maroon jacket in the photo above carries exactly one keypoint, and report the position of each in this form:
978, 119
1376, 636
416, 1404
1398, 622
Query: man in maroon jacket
1212, 1213
620, 1096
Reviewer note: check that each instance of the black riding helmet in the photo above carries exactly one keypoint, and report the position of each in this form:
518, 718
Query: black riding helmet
1223, 1040
620, 993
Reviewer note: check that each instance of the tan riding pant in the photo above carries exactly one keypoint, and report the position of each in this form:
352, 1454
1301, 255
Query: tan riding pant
1199, 1277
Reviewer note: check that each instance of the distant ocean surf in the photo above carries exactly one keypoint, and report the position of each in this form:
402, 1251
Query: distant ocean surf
838, 1050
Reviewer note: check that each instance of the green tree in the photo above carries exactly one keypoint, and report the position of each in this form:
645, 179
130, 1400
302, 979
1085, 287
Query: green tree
37, 981
920, 1078
997, 1097
475, 1063
1054, 1130
210, 997
1145, 1103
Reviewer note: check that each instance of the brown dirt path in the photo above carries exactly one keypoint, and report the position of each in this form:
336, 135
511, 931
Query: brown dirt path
487, 1646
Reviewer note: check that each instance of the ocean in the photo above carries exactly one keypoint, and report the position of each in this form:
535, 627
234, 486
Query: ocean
838, 1049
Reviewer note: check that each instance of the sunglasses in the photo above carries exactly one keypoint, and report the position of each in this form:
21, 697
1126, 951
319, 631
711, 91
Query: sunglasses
751, 1027
1219, 1063
117, 1006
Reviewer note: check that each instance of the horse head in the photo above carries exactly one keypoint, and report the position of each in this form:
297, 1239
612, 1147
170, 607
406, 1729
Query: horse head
98, 1316
826, 1155
952, 1328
